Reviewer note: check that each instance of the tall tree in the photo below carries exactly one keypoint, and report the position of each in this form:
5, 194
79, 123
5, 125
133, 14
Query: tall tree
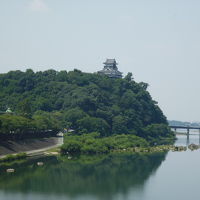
24, 108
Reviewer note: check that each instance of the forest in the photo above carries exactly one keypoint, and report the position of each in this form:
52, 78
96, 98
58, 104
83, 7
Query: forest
85, 102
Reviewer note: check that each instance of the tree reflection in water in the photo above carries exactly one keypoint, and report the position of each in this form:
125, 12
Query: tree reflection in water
102, 176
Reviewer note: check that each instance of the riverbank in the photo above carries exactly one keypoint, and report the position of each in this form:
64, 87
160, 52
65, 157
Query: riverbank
148, 150
51, 146
107, 176
31, 147
55, 151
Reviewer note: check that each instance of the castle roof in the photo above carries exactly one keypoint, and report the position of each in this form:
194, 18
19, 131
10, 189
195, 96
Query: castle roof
110, 61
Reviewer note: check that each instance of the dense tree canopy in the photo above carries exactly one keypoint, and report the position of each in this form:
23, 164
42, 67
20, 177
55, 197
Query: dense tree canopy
85, 102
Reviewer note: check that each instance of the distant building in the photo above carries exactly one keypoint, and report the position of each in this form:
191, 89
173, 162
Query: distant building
9, 110
110, 69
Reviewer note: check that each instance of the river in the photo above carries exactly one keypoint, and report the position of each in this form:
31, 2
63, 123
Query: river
159, 176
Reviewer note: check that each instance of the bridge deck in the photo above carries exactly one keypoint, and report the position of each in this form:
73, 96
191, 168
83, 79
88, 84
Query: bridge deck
185, 127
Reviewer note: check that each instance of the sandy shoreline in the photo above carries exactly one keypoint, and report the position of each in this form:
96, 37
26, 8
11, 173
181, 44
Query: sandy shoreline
30, 146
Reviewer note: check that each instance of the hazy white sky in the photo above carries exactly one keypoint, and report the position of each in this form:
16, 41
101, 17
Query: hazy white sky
157, 40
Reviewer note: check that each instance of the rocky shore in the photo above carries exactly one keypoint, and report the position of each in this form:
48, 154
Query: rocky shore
161, 148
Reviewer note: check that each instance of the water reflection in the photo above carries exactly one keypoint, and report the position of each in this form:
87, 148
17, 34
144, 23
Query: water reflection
102, 177
185, 140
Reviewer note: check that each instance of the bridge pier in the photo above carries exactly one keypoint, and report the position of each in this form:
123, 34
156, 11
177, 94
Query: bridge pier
188, 133
187, 141
199, 136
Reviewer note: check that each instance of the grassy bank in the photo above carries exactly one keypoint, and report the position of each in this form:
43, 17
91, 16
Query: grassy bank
94, 144
13, 157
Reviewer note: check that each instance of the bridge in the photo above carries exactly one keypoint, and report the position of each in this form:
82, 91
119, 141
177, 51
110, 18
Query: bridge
188, 128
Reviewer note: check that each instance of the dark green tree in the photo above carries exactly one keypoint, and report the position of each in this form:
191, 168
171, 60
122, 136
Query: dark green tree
24, 108
128, 77
92, 124
119, 125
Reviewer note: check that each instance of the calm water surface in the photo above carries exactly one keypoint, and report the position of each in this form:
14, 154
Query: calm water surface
160, 176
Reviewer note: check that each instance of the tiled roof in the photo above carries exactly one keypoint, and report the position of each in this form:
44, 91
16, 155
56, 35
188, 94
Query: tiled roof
110, 61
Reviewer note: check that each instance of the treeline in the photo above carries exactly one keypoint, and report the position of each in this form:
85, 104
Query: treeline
85, 102
180, 123
17, 127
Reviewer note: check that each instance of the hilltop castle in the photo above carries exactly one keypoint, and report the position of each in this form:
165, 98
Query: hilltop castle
110, 69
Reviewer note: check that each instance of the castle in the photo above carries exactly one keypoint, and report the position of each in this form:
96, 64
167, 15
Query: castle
110, 69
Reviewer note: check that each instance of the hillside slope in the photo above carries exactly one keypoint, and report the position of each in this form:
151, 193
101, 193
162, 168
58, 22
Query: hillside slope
85, 102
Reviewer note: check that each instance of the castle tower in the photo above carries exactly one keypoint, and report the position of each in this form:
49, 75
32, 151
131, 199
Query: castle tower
110, 69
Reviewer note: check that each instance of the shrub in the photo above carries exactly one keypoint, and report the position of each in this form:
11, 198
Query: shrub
93, 144
71, 146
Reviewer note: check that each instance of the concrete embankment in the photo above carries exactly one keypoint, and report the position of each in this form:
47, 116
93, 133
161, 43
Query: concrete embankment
30, 146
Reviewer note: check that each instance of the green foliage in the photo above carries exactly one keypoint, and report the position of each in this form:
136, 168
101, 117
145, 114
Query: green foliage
73, 115
15, 126
10, 157
89, 124
24, 108
12, 124
126, 141
94, 144
71, 146
84, 102
158, 134
119, 125
45, 120
128, 77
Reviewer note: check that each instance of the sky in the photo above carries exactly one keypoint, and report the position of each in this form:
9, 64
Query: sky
157, 40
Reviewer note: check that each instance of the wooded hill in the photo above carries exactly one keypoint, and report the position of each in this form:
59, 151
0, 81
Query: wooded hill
84, 102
